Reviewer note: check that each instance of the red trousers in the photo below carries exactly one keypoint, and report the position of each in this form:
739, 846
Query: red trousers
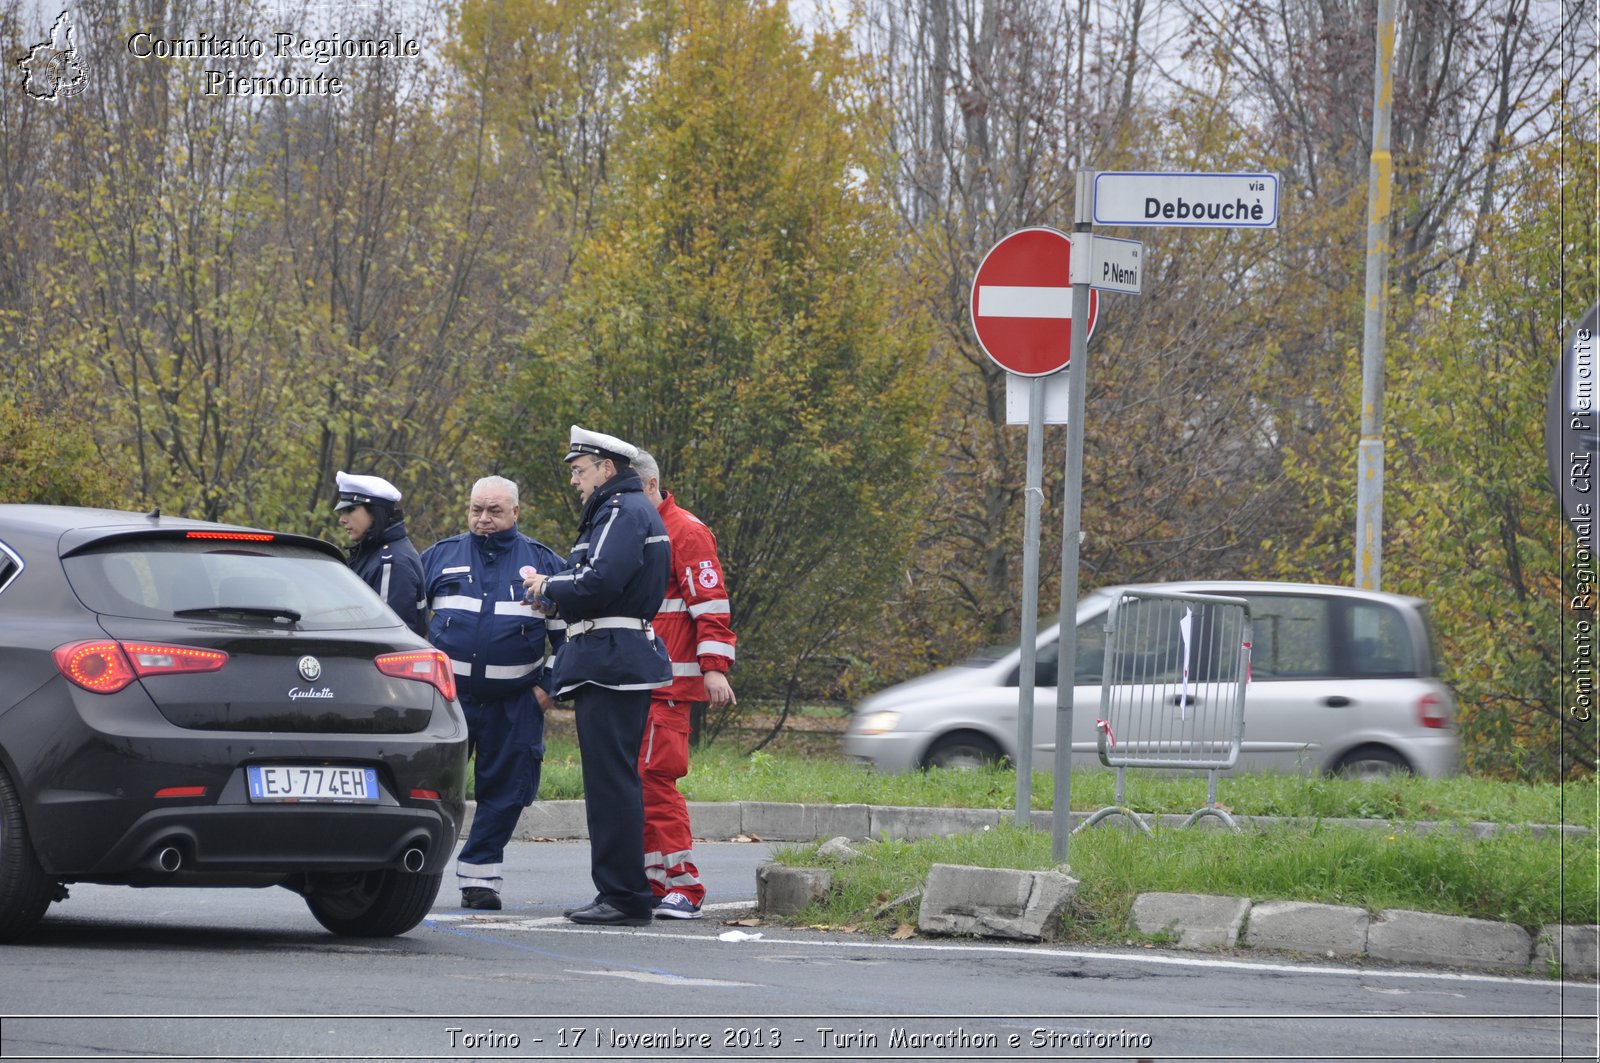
668, 840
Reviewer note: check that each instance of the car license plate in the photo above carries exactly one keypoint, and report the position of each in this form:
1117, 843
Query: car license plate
313, 782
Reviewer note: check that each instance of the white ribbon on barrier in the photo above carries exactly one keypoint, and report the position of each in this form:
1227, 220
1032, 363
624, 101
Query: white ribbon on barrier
1183, 629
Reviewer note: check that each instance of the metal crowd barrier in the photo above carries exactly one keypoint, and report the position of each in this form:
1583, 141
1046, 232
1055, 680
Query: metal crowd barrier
1172, 692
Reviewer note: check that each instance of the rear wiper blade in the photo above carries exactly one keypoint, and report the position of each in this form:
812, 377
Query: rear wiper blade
271, 612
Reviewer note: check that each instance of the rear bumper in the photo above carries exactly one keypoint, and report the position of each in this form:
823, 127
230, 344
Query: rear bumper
99, 817
90, 768
224, 844
89, 835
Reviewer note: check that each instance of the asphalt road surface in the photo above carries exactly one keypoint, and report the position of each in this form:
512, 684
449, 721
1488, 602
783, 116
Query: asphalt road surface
248, 974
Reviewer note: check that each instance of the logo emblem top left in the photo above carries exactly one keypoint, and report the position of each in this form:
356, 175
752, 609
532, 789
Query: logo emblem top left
55, 69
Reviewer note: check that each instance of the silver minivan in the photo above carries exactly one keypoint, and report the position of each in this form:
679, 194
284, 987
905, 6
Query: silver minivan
1342, 681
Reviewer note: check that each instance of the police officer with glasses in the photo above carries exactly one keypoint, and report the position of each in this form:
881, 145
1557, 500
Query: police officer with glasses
613, 583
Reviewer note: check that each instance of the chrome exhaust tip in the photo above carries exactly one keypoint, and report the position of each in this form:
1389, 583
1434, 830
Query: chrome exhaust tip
413, 860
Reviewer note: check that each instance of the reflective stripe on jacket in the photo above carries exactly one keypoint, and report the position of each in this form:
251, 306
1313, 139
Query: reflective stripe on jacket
388, 563
617, 571
694, 619
496, 642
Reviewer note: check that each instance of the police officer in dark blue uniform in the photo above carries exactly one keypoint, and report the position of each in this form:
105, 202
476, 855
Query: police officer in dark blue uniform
381, 553
610, 589
495, 640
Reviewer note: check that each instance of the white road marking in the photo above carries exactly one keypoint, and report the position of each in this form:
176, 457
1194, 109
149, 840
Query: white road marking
668, 979
558, 925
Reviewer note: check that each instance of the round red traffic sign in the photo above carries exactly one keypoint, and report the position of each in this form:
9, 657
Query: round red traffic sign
1022, 302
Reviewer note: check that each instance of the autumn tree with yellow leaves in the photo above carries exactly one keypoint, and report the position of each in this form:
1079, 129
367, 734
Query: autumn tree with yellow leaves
736, 313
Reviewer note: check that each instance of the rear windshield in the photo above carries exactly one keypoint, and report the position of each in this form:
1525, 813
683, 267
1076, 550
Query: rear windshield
158, 579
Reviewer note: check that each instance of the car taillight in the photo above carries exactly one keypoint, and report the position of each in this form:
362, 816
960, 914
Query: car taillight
106, 666
425, 666
98, 666
1431, 711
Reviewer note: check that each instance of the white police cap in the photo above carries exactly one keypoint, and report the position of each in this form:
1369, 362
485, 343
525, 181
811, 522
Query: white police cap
599, 444
355, 490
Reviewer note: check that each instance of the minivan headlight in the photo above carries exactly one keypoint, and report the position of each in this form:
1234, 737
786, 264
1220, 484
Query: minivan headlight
875, 723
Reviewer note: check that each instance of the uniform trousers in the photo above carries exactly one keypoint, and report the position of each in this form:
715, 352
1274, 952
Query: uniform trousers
668, 838
507, 736
610, 728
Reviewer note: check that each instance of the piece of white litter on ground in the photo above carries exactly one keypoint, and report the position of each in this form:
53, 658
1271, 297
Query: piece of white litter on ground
738, 935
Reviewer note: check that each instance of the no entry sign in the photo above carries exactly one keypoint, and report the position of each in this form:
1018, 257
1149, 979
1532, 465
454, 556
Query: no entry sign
1022, 302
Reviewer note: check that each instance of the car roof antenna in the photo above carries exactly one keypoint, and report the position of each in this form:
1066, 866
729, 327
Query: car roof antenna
155, 514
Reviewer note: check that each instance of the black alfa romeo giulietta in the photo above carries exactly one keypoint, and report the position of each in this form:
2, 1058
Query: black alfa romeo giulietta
184, 703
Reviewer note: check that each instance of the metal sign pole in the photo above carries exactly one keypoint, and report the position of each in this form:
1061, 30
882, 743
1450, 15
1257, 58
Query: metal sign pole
1370, 448
1072, 517
1030, 601
1019, 297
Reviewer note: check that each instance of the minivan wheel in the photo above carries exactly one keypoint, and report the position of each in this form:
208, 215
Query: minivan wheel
25, 890
964, 750
1372, 762
373, 904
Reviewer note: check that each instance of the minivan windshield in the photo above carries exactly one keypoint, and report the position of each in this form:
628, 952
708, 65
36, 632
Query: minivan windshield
261, 583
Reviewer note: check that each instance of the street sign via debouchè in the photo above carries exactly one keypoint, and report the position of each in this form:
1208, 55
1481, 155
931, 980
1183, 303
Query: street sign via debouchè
1022, 302
1218, 200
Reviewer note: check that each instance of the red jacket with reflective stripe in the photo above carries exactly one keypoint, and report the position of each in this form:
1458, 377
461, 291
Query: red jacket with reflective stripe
693, 622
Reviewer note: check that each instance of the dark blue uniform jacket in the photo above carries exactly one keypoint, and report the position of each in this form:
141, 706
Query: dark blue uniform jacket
388, 563
611, 587
495, 640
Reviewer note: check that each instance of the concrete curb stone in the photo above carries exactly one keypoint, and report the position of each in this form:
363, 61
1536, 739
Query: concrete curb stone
1199, 920
1573, 949
547, 819
783, 890
995, 902
716, 819
1425, 937
771, 821
1315, 929
900, 823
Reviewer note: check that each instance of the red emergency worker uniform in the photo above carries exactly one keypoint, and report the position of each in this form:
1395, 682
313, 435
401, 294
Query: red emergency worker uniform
693, 625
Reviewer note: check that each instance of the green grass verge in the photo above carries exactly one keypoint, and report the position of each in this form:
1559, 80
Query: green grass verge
722, 773
1511, 877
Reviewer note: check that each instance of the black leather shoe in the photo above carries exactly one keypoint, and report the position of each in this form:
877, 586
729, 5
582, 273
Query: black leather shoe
603, 914
480, 897
581, 907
